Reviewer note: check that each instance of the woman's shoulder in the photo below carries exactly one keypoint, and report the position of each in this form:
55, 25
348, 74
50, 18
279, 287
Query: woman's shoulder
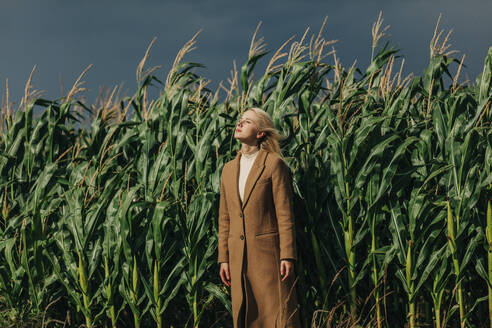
274, 157
275, 160
228, 165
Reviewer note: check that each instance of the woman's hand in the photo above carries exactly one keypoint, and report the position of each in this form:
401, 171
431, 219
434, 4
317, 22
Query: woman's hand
286, 269
224, 274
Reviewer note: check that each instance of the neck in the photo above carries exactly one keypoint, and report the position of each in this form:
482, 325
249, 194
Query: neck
249, 149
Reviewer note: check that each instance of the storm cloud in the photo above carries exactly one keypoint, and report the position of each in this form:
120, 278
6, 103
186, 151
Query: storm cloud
63, 37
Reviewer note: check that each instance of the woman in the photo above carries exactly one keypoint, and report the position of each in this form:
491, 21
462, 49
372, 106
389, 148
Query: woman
257, 248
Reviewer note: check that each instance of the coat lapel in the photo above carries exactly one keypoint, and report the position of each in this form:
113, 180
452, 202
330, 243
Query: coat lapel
236, 178
254, 174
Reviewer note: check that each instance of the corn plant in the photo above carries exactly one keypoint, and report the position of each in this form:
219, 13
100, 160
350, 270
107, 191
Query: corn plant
113, 220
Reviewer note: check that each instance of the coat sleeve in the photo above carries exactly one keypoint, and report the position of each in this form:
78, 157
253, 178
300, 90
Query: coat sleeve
223, 224
282, 197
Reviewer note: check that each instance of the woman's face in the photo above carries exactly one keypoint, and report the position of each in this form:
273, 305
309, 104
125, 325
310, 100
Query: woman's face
247, 130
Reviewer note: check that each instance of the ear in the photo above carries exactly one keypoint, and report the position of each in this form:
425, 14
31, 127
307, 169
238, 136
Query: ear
260, 134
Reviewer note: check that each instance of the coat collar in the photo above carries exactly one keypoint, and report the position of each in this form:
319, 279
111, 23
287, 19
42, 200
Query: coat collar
254, 174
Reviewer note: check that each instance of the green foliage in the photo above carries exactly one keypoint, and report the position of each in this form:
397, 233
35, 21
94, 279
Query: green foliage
392, 179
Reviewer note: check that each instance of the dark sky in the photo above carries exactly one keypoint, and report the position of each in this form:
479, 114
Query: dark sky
62, 37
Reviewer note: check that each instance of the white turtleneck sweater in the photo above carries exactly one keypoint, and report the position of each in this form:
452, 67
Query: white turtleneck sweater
245, 164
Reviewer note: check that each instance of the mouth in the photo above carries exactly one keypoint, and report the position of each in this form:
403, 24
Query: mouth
238, 130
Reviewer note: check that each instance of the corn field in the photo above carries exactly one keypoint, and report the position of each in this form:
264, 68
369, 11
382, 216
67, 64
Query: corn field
109, 211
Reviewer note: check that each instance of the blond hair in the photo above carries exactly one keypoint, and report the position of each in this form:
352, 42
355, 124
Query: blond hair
265, 124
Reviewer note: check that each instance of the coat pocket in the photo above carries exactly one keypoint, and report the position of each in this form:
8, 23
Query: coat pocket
266, 234
267, 242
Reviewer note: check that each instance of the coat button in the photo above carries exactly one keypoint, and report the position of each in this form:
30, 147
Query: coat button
242, 237
240, 215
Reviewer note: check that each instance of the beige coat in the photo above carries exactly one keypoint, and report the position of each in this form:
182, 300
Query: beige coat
254, 237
